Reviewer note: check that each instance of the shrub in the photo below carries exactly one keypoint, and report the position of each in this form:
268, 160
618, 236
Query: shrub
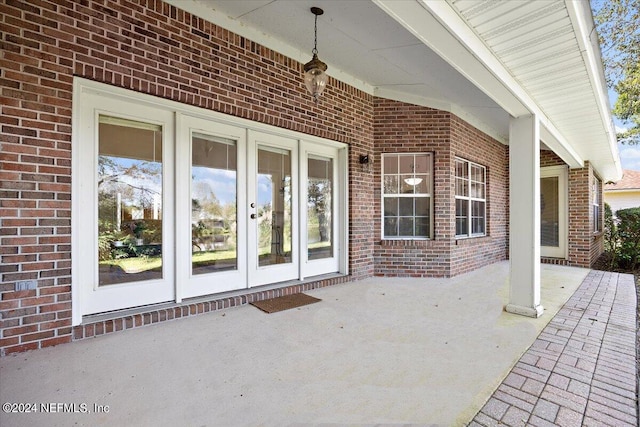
628, 236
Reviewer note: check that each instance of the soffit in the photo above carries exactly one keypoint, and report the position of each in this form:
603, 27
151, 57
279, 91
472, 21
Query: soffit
365, 44
364, 47
539, 43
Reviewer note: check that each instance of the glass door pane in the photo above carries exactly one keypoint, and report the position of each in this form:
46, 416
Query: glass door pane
319, 208
549, 212
214, 179
274, 206
129, 201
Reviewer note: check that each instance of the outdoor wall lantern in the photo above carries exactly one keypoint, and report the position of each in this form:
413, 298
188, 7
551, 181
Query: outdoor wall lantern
315, 77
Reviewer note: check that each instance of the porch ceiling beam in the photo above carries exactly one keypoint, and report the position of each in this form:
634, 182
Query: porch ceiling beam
436, 24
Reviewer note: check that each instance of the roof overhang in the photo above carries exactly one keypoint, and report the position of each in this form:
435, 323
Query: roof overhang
484, 61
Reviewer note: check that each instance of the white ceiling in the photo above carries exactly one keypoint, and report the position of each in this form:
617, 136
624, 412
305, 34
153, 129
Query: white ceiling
385, 47
359, 39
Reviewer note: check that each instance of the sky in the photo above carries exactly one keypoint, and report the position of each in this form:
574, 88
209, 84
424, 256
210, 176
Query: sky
629, 154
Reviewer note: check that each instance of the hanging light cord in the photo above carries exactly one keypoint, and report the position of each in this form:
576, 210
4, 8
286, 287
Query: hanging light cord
315, 40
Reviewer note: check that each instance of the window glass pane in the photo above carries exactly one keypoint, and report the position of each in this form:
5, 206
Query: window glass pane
477, 225
405, 226
390, 206
390, 226
422, 226
477, 216
477, 173
406, 206
462, 207
406, 164
391, 184
213, 204
390, 164
422, 184
422, 205
274, 206
462, 186
422, 164
477, 190
320, 208
549, 212
129, 201
461, 169
462, 215
461, 226
407, 184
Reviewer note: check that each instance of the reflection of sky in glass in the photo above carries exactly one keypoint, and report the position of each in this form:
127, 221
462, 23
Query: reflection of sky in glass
150, 182
222, 182
265, 189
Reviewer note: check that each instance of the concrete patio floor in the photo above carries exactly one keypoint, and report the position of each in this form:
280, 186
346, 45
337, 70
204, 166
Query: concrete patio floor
376, 352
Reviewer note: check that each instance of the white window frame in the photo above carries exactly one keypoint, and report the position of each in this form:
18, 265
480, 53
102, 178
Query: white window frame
469, 199
429, 195
597, 205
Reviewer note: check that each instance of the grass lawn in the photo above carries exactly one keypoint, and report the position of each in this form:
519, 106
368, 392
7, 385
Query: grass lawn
145, 263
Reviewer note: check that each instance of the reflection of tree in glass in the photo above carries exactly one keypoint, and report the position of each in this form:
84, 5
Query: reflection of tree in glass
213, 225
319, 201
207, 203
137, 183
126, 173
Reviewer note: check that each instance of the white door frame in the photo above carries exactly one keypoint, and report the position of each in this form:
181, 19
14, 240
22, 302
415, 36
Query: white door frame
95, 298
188, 284
561, 173
258, 275
330, 264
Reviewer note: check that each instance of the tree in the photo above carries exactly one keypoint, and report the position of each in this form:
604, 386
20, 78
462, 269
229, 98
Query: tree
618, 26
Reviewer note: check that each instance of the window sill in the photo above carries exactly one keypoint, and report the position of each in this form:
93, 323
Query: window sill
407, 242
477, 240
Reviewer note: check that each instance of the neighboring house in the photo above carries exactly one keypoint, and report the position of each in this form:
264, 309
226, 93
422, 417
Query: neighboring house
164, 159
625, 193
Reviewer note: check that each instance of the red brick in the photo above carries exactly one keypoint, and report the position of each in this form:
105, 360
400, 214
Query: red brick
49, 342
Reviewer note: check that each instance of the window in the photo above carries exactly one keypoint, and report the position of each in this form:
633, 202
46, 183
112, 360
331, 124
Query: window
471, 202
406, 196
596, 198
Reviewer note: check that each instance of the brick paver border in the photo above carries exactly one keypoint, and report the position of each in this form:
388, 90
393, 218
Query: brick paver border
581, 370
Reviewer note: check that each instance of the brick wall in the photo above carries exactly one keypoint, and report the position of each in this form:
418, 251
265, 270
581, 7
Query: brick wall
149, 47
469, 143
406, 128
401, 127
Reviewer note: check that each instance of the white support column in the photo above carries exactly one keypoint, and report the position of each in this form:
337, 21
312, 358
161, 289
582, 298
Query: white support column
524, 216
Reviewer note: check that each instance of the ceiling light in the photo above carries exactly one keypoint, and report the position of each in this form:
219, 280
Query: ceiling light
413, 181
315, 77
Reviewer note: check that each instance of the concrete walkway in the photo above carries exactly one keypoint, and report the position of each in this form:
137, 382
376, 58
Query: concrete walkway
374, 352
581, 370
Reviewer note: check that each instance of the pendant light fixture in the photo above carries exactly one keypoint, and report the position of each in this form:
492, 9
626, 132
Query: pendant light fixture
315, 77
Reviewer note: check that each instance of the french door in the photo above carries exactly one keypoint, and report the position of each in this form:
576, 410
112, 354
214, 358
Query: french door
172, 202
553, 212
123, 205
272, 192
211, 207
